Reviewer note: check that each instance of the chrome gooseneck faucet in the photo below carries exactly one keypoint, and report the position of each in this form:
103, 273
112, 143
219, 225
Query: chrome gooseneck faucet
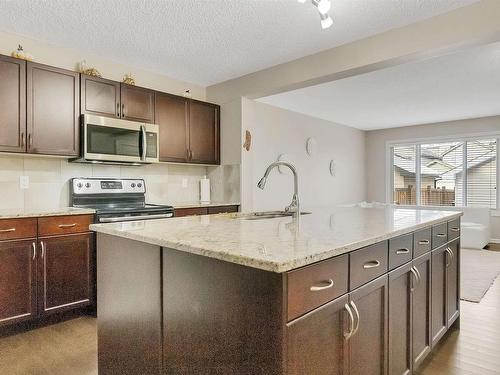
294, 207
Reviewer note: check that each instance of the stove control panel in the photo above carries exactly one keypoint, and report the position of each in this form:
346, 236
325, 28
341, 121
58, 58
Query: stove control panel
107, 186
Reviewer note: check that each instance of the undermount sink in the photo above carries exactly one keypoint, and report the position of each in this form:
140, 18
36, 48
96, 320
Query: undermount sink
269, 215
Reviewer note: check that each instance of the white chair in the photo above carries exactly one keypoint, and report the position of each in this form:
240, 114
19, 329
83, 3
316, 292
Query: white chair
476, 228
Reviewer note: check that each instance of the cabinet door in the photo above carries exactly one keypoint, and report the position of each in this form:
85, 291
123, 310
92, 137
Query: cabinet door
421, 317
52, 110
368, 346
137, 104
17, 281
453, 282
12, 104
100, 97
203, 132
171, 114
400, 317
65, 277
315, 341
439, 318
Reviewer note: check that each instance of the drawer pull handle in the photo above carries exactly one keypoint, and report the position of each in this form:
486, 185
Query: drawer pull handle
64, 226
358, 318
403, 251
318, 288
455, 229
7, 230
424, 242
441, 235
372, 264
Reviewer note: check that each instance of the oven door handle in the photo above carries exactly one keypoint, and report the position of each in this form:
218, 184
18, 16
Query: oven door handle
144, 143
134, 218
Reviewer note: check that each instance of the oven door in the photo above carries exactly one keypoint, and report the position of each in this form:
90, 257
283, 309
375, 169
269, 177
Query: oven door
114, 140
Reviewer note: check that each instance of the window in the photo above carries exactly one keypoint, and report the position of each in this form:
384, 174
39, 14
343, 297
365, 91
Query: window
451, 173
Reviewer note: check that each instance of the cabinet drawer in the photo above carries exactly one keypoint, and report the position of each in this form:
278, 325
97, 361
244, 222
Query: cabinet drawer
314, 285
400, 250
453, 229
179, 212
57, 225
367, 264
222, 209
17, 228
422, 242
439, 235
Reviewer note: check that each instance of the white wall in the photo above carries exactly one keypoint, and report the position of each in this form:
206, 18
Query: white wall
276, 131
376, 163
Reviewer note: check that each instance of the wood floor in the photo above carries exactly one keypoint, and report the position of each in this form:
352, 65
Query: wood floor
69, 348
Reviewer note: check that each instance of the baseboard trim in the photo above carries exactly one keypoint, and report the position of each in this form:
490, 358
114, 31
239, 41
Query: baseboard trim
495, 240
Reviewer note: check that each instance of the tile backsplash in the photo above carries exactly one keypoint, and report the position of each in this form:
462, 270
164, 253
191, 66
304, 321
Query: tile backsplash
49, 181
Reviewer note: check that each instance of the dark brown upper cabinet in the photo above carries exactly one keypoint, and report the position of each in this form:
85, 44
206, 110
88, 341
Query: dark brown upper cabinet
53, 96
172, 113
100, 97
189, 130
12, 104
203, 132
137, 104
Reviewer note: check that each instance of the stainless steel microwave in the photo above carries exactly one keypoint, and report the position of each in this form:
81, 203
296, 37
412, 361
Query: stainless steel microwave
116, 141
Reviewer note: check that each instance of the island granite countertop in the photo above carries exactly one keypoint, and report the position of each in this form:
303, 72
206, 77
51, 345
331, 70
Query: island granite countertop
278, 244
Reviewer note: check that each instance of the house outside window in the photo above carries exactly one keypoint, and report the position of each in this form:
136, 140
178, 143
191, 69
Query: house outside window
451, 173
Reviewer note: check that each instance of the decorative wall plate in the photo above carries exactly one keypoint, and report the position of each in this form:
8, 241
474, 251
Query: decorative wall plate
311, 146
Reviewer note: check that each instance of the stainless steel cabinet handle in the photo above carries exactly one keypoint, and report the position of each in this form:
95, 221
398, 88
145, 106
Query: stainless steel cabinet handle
414, 273
448, 251
30, 140
356, 311
33, 246
123, 110
418, 274
402, 251
7, 230
424, 242
371, 264
23, 142
441, 235
348, 335
455, 229
452, 254
42, 244
329, 284
117, 109
64, 226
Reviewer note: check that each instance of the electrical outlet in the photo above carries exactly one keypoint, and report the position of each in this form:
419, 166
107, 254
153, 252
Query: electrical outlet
184, 182
24, 182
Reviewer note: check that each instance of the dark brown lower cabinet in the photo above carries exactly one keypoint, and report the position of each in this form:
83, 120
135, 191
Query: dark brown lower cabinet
17, 281
64, 275
368, 345
439, 317
421, 310
316, 342
452, 280
401, 287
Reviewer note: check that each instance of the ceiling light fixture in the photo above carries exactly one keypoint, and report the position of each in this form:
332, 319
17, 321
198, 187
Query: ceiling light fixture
323, 7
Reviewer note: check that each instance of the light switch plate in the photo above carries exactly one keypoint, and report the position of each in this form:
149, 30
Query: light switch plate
24, 182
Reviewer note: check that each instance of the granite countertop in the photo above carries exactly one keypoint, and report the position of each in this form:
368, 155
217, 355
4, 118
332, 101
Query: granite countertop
57, 211
278, 245
196, 204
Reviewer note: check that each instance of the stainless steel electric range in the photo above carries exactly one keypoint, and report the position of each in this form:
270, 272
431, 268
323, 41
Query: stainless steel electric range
116, 200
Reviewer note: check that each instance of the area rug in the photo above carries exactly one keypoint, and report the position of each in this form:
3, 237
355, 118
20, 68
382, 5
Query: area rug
479, 268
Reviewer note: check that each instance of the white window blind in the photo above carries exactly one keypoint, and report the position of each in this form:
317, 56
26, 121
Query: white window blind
482, 173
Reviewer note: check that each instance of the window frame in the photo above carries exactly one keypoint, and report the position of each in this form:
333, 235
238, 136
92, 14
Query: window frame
418, 142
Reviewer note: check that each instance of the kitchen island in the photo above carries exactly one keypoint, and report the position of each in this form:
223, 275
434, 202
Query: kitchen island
349, 290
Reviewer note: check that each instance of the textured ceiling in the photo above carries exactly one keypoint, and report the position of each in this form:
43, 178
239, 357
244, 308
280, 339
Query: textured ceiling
453, 87
207, 41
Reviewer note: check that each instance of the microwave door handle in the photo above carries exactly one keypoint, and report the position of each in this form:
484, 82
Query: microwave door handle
144, 144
